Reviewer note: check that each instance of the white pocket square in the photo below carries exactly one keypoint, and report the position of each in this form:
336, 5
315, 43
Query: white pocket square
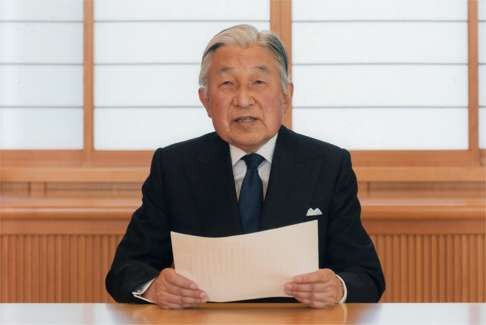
313, 212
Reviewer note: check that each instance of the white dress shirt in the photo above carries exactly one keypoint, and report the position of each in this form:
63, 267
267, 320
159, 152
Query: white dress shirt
239, 171
239, 165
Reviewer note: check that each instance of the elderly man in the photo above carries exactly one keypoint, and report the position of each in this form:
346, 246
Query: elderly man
251, 174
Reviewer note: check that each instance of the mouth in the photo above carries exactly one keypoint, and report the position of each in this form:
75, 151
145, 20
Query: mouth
245, 119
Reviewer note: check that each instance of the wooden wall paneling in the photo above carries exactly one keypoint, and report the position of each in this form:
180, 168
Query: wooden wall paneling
59, 272
473, 80
415, 272
416, 158
411, 262
12, 158
481, 260
451, 288
137, 174
88, 81
419, 266
37, 188
281, 24
442, 269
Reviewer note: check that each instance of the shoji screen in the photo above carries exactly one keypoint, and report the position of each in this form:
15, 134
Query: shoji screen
41, 74
380, 74
482, 74
147, 56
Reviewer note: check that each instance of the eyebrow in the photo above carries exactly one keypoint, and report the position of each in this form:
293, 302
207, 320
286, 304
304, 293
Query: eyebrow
262, 68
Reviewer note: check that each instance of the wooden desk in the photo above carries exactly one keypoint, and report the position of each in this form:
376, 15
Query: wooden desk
243, 314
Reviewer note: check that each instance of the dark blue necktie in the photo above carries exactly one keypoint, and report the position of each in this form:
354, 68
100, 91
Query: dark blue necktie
251, 194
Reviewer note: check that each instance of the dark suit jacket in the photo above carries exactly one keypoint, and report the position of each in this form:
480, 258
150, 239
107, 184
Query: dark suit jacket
191, 190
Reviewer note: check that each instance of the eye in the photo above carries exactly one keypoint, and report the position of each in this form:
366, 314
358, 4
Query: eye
259, 82
226, 83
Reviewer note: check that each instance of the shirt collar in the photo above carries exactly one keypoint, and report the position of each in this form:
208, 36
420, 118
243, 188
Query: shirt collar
266, 151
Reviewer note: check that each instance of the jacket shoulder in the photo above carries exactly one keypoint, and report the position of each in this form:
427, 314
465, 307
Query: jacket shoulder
314, 146
189, 147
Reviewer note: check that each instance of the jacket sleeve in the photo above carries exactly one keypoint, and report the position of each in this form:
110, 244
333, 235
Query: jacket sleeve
145, 249
350, 251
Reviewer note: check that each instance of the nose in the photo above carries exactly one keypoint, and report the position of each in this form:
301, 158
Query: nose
243, 98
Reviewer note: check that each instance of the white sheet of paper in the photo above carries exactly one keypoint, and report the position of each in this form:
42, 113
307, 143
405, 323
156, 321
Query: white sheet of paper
250, 266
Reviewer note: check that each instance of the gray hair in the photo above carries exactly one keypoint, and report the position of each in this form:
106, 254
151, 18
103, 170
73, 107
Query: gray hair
245, 36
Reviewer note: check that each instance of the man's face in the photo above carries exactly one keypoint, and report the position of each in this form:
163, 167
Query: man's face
244, 97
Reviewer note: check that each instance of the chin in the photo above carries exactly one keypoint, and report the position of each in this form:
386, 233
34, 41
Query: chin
248, 145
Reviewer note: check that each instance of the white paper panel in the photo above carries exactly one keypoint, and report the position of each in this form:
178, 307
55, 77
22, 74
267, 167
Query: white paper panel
482, 128
41, 10
41, 85
156, 41
146, 85
482, 85
380, 85
373, 129
147, 129
41, 43
482, 41
182, 9
482, 104
36, 128
379, 42
482, 9
379, 9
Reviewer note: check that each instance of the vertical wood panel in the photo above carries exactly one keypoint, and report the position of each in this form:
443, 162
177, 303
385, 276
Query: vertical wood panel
21, 267
474, 267
281, 24
3, 268
450, 267
473, 79
419, 266
55, 268
442, 252
389, 267
412, 261
71, 268
64, 269
59, 271
434, 269
428, 266
481, 287
88, 81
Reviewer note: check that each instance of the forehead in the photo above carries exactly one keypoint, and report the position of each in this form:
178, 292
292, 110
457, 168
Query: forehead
231, 56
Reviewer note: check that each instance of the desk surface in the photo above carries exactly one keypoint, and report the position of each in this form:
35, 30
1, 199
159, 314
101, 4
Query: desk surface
240, 314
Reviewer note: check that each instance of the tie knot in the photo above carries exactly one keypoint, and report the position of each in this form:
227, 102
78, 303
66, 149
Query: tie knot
253, 160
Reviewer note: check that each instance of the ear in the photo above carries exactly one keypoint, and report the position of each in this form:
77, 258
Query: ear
203, 97
287, 96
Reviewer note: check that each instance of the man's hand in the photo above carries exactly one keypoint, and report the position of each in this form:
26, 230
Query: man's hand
317, 289
173, 291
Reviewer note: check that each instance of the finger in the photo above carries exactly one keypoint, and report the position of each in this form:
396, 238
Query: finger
321, 304
169, 298
178, 280
306, 287
328, 290
318, 301
196, 295
317, 276
309, 295
178, 291
171, 306
168, 305
304, 301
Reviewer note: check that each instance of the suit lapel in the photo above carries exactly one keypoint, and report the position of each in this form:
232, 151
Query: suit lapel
292, 178
212, 180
